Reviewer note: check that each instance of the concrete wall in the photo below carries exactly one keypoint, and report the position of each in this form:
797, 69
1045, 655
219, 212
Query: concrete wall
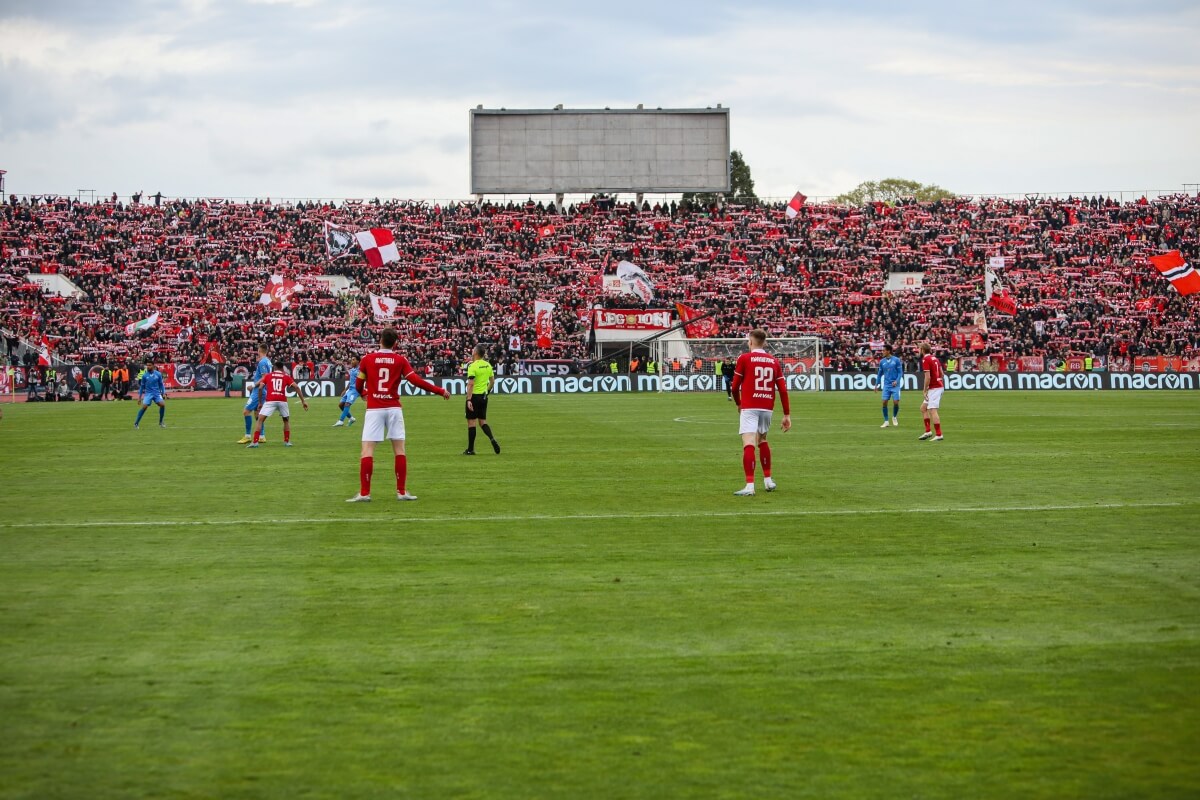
580, 151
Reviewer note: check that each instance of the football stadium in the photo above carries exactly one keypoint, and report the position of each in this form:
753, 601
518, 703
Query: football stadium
504, 402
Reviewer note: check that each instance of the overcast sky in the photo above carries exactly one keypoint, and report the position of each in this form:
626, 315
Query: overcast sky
364, 98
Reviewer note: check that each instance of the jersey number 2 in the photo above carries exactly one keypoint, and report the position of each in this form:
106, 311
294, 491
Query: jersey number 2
382, 384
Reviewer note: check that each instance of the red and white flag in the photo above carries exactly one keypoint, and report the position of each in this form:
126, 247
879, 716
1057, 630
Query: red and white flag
793, 206
378, 245
278, 292
1181, 275
543, 322
383, 308
696, 330
996, 295
545, 230
44, 352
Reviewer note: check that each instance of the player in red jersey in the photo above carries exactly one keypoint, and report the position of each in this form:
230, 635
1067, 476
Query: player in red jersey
757, 377
378, 381
275, 386
934, 384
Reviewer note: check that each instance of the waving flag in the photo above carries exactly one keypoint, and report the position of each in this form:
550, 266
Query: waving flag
996, 295
212, 353
142, 324
378, 245
635, 280
543, 322
383, 307
793, 206
278, 292
1181, 275
338, 241
44, 353
696, 330
545, 230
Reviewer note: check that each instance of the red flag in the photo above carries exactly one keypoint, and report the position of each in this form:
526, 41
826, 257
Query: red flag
1181, 275
856, 298
545, 230
696, 330
793, 206
1003, 303
1145, 304
212, 353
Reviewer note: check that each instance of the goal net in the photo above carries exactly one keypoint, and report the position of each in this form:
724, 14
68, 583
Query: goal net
700, 365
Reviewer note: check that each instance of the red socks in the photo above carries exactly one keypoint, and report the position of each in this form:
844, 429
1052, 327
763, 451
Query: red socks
401, 473
764, 457
927, 424
748, 462
287, 435
937, 429
365, 465
256, 435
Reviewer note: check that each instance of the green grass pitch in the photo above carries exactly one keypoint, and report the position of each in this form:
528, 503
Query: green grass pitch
1014, 612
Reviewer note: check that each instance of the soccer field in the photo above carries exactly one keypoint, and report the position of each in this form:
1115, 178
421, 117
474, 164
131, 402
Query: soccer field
1013, 612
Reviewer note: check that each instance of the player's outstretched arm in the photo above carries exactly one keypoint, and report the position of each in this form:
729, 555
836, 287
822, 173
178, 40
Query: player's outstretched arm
416, 380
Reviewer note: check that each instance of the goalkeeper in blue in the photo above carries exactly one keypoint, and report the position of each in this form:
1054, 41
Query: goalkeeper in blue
151, 390
348, 400
255, 400
891, 377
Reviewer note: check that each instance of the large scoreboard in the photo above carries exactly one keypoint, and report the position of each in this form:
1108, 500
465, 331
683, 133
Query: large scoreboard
553, 151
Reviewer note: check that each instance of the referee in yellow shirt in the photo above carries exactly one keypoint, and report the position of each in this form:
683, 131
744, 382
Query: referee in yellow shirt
484, 377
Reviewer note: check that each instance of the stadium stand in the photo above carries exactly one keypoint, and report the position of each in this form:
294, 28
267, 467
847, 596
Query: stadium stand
1077, 269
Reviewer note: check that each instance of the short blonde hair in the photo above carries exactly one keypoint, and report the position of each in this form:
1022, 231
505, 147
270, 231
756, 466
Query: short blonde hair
759, 335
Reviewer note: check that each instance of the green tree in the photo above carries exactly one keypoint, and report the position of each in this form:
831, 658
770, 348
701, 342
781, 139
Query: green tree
741, 185
889, 190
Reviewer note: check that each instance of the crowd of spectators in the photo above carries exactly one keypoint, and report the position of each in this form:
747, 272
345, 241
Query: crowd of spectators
470, 272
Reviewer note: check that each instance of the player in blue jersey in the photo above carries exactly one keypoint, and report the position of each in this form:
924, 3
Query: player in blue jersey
255, 400
151, 390
891, 377
348, 399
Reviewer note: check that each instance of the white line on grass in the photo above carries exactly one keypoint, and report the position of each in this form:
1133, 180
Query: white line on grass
844, 512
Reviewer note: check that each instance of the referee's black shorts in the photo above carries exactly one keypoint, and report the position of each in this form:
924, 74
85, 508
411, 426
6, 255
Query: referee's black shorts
478, 407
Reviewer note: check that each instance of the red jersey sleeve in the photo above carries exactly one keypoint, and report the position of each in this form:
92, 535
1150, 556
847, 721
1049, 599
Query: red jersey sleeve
781, 388
412, 377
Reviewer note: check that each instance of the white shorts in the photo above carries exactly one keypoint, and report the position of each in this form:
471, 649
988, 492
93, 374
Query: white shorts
383, 423
755, 420
934, 398
271, 406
